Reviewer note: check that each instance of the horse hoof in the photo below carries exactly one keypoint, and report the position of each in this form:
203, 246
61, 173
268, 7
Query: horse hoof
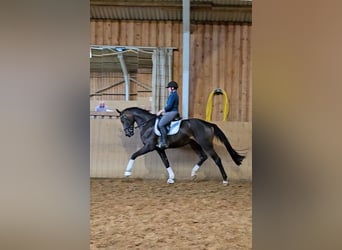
225, 183
127, 174
193, 177
170, 181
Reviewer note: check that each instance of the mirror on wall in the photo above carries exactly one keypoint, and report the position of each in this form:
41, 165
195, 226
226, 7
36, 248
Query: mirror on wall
120, 72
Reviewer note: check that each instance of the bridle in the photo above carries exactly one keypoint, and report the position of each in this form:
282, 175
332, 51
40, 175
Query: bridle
130, 128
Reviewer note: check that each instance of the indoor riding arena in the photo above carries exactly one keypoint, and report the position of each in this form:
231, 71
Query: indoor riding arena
137, 47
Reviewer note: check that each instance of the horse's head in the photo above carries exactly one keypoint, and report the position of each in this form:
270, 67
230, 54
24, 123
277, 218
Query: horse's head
127, 122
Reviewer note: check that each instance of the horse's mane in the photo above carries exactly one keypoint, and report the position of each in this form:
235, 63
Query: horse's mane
139, 109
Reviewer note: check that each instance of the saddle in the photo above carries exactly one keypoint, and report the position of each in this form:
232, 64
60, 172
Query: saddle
172, 128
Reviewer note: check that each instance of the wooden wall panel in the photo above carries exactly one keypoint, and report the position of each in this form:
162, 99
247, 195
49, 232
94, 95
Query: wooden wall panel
236, 75
130, 25
99, 32
92, 32
244, 74
107, 32
145, 30
196, 99
177, 39
204, 71
116, 32
220, 57
229, 47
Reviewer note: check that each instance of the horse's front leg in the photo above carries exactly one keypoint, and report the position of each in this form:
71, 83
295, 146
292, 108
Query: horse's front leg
145, 149
163, 156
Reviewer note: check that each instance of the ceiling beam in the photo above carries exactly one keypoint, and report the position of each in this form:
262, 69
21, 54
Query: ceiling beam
168, 4
135, 3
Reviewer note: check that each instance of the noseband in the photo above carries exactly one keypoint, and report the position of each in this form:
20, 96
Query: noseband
130, 129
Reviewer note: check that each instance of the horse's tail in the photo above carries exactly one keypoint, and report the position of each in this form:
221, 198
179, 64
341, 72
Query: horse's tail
237, 158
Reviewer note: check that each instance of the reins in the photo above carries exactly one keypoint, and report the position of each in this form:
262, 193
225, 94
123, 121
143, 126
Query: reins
144, 123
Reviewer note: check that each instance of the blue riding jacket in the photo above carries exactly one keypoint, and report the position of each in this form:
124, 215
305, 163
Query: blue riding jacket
172, 102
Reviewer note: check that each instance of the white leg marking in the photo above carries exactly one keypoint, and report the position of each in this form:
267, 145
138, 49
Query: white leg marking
171, 176
129, 167
225, 183
170, 181
194, 170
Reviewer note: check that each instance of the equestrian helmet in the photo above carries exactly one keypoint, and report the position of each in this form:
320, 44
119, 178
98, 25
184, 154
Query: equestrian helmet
172, 84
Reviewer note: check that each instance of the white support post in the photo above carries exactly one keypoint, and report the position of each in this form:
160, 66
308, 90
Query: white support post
125, 73
186, 59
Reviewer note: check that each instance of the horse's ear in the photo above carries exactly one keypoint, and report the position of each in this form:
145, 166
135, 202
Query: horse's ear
118, 111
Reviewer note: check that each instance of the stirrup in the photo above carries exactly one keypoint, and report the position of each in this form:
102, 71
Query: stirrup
162, 145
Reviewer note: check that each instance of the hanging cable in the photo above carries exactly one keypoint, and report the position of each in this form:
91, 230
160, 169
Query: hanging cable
209, 107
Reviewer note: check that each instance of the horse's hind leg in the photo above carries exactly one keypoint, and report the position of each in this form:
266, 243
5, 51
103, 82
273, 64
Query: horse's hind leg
218, 162
203, 157
163, 156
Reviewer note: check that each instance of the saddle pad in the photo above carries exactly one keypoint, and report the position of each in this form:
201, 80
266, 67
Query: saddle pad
174, 127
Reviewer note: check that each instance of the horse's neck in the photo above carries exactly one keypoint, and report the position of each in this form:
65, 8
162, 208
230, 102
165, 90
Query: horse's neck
141, 119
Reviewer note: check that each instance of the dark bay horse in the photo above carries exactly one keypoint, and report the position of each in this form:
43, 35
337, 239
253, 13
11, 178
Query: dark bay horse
198, 133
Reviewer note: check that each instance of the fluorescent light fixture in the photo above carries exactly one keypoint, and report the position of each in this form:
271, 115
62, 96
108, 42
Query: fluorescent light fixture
120, 49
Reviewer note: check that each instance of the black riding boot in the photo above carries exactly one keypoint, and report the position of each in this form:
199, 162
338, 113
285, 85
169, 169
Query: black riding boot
163, 133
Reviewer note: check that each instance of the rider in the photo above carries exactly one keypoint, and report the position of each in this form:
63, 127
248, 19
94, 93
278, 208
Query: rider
169, 112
